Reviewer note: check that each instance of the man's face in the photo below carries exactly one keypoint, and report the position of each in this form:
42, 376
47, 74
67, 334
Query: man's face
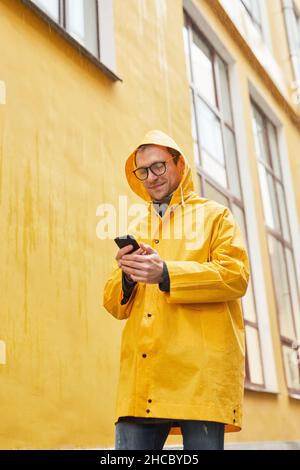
161, 186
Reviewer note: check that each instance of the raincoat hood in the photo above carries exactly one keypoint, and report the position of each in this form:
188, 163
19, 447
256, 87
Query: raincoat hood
186, 185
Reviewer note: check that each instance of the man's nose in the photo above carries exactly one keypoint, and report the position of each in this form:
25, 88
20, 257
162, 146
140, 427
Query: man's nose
152, 177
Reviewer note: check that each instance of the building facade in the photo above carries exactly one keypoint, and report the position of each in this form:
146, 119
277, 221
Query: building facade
80, 84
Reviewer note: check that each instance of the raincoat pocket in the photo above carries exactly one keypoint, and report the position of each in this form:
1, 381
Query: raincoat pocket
217, 328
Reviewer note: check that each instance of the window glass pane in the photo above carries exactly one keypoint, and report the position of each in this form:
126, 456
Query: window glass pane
225, 93
252, 7
91, 28
254, 358
248, 304
82, 22
240, 219
186, 50
294, 288
268, 198
248, 299
281, 288
51, 7
202, 69
213, 168
293, 29
247, 3
261, 144
274, 149
283, 212
291, 367
293, 32
231, 160
212, 193
76, 19
212, 154
296, 65
256, 11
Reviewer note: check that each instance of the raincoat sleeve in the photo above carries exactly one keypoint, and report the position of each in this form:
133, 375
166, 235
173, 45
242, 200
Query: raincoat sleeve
114, 299
223, 278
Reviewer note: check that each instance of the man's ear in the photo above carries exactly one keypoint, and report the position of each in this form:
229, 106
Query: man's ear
181, 163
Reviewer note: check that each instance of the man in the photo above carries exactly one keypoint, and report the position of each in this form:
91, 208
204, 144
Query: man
182, 351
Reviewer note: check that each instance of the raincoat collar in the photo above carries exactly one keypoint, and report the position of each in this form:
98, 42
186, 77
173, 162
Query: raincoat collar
186, 185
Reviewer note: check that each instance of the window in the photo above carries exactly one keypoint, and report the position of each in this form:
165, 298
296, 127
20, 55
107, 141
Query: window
292, 22
215, 154
78, 17
87, 23
81, 22
279, 242
51, 7
253, 9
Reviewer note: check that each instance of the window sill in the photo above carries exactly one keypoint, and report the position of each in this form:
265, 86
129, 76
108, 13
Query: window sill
294, 396
260, 389
81, 49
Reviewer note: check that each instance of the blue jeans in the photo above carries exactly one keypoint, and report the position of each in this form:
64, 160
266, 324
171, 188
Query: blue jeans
197, 435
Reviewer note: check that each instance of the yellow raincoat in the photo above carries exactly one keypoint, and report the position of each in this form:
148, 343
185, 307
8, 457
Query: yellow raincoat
182, 352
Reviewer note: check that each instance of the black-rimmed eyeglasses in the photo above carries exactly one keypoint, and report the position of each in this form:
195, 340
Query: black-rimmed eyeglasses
157, 168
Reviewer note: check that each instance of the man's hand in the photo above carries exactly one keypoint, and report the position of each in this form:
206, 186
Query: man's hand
142, 268
125, 251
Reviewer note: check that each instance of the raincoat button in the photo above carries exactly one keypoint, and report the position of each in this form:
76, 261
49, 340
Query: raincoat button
148, 411
234, 420
149, 401
234, 411
149, 314
144, 355
156, 241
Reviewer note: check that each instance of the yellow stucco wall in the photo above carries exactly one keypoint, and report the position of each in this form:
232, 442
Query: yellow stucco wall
65, 132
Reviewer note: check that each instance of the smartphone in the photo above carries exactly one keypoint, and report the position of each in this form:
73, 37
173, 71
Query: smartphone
127, 240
